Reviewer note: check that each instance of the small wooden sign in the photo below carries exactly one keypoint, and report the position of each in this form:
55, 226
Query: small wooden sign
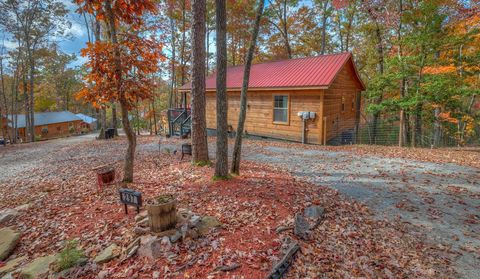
130, 197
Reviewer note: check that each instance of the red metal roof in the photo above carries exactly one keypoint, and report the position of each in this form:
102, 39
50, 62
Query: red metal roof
318, 71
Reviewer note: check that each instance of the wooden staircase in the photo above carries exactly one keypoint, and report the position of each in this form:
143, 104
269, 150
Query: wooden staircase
180, 122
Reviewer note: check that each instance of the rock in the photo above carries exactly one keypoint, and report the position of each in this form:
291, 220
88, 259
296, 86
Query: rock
195, 221
8, 240
302, 227
7, 215
193, 233
310, 219
183, 214
132, 248
314, 214
107, 254
142, 215
176, 237
103, 274
156, 275
166, 244
143, 223
207, 223
280, 229
150, 247
38, 268
22, 207
11, 266
140, 230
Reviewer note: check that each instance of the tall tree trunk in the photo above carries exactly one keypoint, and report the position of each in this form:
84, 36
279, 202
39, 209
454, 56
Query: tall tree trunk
417, 135
172, 75
154, 117
4, 108
199, 130
130, 154
103, 123
380, 70
114, 118
103, 112
237, 148
27, 103
31, 98
324, 27
285, 30
437, 132
402, 135
221, 166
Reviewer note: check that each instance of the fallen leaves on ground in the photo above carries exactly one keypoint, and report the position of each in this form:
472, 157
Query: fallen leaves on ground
64, 204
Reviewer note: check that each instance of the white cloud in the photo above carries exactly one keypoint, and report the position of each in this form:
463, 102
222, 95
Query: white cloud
77, 30
10, 44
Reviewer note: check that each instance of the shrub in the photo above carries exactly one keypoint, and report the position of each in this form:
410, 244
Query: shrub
69, 256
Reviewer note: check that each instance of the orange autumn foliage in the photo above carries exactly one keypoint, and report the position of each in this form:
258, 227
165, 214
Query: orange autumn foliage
139, 60
138, 56
125, 11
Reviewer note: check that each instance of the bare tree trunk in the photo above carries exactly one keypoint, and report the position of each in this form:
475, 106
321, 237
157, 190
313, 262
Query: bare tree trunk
199, 131
237, 148
221, 166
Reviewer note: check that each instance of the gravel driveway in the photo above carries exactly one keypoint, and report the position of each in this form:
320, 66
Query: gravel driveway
440, 200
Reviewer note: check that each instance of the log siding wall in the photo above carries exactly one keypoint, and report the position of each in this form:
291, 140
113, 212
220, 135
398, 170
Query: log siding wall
56, 130
259, 120
344, 86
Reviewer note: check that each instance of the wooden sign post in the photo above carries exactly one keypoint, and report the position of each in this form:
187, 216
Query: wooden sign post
130, 197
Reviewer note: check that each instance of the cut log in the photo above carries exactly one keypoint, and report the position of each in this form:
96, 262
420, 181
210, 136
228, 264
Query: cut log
281, 267
162, 214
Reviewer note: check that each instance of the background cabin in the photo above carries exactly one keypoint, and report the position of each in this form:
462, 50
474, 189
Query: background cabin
88, 123
48, 125
314, 99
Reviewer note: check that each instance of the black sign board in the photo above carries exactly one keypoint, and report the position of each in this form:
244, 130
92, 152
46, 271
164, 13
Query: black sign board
130, 197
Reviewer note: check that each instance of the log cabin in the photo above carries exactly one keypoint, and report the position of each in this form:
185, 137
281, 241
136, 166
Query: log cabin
48, 125
312, 100
88, 123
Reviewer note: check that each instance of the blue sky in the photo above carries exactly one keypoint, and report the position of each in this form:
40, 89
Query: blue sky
79, 33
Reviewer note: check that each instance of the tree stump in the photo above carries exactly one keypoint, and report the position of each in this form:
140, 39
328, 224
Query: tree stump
162, 213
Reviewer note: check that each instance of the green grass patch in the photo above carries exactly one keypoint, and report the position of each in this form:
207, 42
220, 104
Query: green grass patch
202, 163
226, 177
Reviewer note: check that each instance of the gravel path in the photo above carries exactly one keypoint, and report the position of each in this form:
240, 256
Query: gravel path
441, 200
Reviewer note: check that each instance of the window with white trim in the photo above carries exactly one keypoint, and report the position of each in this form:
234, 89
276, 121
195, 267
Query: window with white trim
280, 108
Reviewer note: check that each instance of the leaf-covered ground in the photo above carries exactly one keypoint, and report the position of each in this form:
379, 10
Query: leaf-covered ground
56, 180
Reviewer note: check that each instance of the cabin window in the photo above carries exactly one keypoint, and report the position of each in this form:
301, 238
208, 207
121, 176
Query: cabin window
343, 103
280, 109
45, 130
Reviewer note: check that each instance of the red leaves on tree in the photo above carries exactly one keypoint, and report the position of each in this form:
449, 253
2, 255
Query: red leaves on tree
138, 56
